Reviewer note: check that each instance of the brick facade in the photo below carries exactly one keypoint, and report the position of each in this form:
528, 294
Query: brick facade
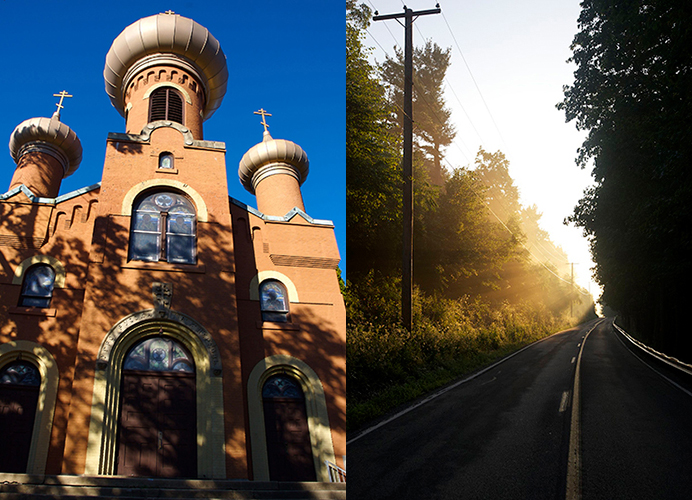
103, 298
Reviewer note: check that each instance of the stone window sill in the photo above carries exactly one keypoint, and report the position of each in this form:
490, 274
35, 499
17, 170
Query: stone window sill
270, 325
167, 171
164, 266
34, 311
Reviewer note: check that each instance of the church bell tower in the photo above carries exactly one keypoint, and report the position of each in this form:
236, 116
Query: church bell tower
166, 67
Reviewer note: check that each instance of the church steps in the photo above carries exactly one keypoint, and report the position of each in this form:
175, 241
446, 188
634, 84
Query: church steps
25, 486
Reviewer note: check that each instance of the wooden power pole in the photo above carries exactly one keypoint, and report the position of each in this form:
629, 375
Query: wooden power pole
407, 263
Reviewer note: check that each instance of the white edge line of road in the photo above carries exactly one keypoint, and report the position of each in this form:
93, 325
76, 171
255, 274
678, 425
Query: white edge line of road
647, 364
446, 389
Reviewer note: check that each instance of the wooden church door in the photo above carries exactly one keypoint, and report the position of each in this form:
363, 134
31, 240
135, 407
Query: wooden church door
158, 424
289, 448
19, 387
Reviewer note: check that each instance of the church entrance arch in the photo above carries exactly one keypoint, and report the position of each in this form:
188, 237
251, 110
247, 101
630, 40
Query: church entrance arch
157, 425
19, 390
289, 449
117, 383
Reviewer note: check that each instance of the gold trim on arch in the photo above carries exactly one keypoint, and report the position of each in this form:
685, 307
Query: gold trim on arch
57, 266
48, 393
315, 405
103, 428
200, 206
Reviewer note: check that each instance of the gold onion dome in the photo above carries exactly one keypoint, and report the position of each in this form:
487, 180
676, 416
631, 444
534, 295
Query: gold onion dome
168, 39
48, 135
270, 157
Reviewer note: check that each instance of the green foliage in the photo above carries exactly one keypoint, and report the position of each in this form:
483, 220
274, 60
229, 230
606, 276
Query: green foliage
388, 366
493, 171
433, 129
461, 249
479, 293
373, 193
631, 93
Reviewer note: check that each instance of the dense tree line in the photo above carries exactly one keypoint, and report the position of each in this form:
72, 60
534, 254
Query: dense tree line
631, 92
478, 289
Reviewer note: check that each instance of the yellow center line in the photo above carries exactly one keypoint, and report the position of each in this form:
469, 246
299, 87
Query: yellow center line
573, 491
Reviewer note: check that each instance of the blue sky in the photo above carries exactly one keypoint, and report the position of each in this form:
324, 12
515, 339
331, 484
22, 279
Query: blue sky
285, 57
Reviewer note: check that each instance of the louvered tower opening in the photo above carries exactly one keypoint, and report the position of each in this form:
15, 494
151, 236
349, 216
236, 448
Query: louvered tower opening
166, 103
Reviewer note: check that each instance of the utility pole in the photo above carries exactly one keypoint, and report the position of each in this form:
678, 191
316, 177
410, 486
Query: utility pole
571, 280
407, 261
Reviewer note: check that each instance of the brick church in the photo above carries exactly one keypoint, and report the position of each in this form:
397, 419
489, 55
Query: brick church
151, 325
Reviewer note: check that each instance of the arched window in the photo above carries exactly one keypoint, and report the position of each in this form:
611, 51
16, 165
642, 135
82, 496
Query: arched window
164, 229
289, 449
19, 388
273, 301
159, 354
166, 160
37, 288
166, 103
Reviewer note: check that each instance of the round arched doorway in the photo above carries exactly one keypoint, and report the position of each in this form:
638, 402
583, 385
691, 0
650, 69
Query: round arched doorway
19, 390
286, 425
157, 425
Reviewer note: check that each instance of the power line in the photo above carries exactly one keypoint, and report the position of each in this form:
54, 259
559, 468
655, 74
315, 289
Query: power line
474, 81
454, 141
449, 85
485, 203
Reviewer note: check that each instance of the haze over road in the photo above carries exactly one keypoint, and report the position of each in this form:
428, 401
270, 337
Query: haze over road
506, 433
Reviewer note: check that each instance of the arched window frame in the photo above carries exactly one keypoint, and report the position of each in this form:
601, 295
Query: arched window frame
211, 455
172, 362
273, 309
316, 406
282, 388
166, 161
166, 229
40, 294
40, 357
167, 103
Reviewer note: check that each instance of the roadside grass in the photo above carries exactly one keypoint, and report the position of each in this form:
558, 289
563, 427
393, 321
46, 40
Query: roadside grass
366, 410
388, 366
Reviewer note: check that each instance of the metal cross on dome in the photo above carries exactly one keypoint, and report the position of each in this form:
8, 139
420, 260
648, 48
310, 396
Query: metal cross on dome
264, 114
62, 96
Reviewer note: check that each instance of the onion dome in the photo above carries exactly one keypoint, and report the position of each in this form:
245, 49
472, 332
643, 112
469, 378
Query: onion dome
47, 135
270, 157
166, 39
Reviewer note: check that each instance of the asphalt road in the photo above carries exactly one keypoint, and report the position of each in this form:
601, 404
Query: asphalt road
505, 434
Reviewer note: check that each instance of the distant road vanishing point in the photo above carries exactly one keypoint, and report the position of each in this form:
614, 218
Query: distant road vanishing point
576, 415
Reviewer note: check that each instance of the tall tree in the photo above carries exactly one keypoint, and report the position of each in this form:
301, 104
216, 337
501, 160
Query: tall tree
373, 188
433, 129
503, 195
631, 92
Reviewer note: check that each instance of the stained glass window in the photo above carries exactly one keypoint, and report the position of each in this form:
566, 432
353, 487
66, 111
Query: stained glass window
37, 289
160, 354
282, 386
20, 373
164, 229
273, 301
